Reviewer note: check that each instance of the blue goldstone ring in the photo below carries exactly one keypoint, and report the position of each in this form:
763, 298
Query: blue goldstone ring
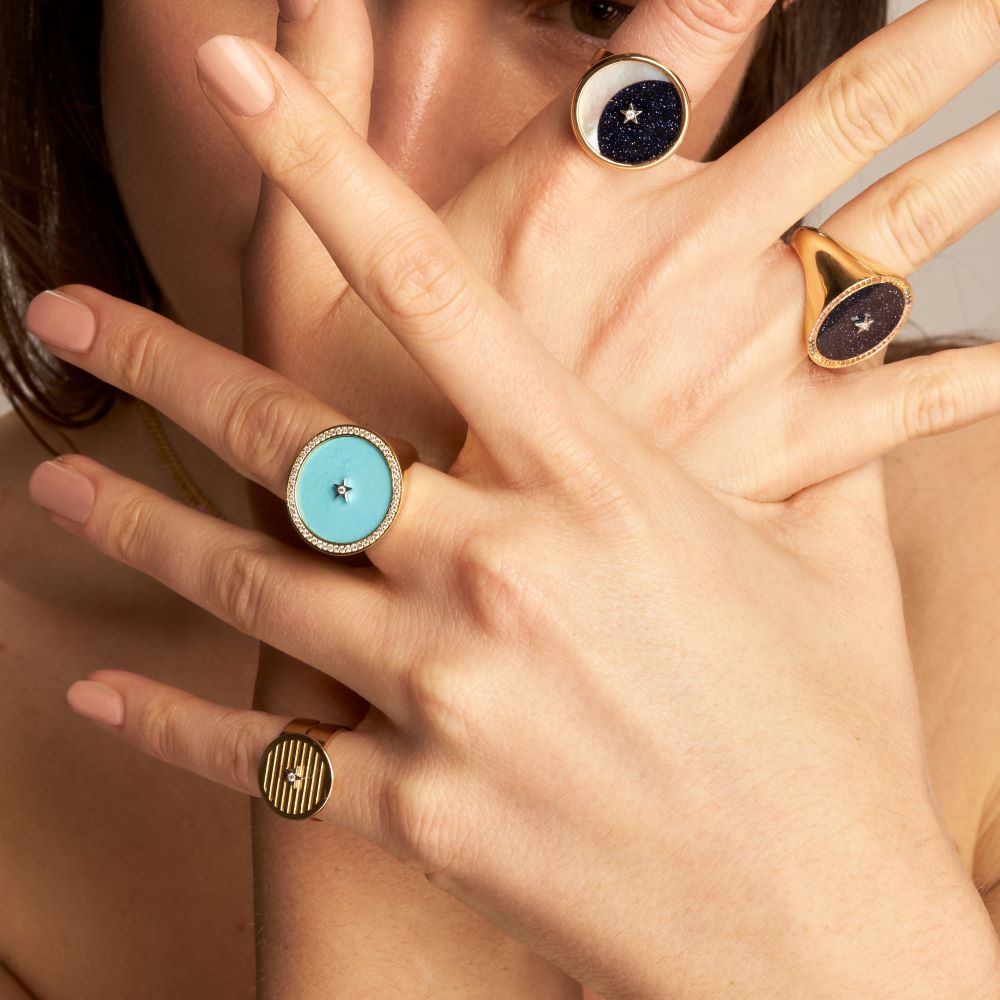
853, 308
345, 487
629, 111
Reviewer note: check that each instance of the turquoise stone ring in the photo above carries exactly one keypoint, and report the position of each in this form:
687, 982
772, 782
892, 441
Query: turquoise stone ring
344, 489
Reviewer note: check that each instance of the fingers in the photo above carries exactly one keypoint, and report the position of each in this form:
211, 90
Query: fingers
249, 580
254, 419
331, 45
395, 252
893, 404
697, 39
912, 214
225, 745
866, 100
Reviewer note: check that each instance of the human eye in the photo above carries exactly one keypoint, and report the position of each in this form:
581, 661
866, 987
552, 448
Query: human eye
598, 18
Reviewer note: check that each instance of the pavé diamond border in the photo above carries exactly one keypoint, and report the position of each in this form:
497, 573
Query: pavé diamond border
876, 279
396, 472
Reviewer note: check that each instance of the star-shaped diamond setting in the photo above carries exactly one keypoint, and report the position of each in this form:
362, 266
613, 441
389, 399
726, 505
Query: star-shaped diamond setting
292, 775
631, 114
864, 325
342, 489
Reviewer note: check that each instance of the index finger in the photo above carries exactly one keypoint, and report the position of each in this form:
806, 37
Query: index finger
392, 248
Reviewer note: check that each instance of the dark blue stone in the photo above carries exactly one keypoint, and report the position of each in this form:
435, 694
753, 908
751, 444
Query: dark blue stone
655, 131
839, 337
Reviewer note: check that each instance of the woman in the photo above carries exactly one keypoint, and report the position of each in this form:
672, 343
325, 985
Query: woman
149, 889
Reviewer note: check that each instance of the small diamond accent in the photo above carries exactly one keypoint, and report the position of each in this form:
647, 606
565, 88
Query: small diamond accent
631, 114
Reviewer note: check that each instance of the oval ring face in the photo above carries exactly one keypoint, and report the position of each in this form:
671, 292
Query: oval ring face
344, 489
630, 111
860, 321
295, 776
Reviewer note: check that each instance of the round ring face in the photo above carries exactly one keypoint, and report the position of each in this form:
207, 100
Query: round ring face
860, 321
344, 489
630, 111
295, 776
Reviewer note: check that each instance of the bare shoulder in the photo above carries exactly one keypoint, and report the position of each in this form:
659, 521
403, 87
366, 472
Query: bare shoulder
944, 507
91, 836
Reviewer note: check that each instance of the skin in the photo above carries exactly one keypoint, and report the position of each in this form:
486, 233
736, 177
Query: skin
178, 681
177, 166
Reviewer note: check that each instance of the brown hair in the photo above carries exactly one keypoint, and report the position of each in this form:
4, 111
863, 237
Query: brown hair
61, 218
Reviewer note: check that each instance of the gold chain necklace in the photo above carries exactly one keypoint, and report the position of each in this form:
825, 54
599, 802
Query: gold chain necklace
186, 486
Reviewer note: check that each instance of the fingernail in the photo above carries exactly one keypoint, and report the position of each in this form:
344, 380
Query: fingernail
295, 10
61, 321
96, 701
237, 74
62, 490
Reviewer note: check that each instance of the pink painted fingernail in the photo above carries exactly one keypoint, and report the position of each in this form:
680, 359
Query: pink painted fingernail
96, 701
62, 490
237, 74
61, 321
295, 10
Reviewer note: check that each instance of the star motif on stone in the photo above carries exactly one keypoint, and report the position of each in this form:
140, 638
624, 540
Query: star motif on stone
342, 489
864, 325
630, 113
292, 775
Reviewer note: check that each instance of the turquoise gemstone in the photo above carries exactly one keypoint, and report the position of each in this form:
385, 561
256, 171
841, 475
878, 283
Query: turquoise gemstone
344, 489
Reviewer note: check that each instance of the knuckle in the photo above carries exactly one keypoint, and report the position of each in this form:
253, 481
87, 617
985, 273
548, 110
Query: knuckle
499, 586
420, 821
239, 588
858, 109
592, 482
717, 20
438, 700
129, 531
260, 428
930, 402
919, 220
546, 198
419, 278
159, 730
234, 755
132, 355
984, 15
304, 151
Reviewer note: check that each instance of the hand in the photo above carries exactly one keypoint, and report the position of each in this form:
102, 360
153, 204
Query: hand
494, 619
626, 313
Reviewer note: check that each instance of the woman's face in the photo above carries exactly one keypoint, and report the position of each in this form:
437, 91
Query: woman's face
454, 81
